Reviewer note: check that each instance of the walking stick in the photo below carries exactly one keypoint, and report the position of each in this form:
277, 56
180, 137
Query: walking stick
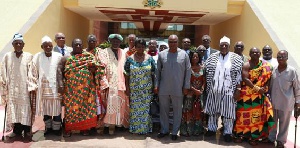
33, 107
62, 138
4, 122
296, 115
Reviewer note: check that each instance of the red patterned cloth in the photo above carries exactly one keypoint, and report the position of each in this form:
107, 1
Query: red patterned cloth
254, 117
80, 92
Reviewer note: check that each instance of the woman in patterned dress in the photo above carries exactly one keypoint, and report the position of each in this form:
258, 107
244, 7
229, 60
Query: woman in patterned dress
191, 122
139, 73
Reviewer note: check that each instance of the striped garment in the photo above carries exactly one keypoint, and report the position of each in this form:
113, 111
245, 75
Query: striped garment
222, 102
42, 78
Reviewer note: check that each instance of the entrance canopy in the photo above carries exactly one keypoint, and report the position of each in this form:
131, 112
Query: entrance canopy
156, 15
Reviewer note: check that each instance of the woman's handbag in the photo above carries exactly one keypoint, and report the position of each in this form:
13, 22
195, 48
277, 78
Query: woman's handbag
154, 106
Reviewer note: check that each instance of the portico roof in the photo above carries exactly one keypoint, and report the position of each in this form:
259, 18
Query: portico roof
157, 19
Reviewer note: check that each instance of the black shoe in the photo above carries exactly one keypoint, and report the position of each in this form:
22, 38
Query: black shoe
161, 135
106, 130
209, 133
27, 138
222, 129
13, 139
267, 140
85, 132
48, 131
57, 132
280, 144
227, 138
174, 137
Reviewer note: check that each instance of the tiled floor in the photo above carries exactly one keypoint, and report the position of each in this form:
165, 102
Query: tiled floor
126, 140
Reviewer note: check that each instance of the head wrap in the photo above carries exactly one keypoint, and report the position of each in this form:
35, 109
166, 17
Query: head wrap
46, 39
18, 36
163, 43
225, 39
118, 36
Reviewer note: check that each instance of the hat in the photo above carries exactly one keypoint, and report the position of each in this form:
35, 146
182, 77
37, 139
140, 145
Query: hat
46, 39
164, 43
118, 36
18, 36
225, 39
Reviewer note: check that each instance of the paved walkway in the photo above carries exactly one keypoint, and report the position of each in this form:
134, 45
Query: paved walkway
124, 139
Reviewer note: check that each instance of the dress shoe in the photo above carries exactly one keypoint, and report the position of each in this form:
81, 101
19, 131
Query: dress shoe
57, 132
174, 137
280, 144
48, 131
210, 133
27, 138
161, 135
13, 139
227, 138
84, 132
67, 134
267, 140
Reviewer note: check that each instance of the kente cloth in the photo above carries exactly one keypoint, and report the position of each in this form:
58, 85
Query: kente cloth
254, 111
80, 91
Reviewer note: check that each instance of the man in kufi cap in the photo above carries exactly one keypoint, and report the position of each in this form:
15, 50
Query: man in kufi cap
14, 91
113, 58
116, 36
44, 84
223, 77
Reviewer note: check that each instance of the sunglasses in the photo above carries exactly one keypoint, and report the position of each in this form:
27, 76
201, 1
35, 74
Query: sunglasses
239, 46
59, 38
281, 57
172, 41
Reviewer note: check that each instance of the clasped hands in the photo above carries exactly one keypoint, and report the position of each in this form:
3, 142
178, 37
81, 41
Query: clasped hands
185, 91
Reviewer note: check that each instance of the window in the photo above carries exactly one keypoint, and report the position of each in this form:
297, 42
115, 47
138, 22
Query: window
175, 27
127, 25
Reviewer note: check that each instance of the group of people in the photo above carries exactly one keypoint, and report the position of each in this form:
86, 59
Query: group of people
92, 88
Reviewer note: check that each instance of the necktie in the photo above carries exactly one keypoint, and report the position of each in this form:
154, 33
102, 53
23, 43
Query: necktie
205, 56
63, 52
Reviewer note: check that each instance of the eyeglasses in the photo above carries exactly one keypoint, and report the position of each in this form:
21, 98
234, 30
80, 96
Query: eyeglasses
172, 41
266, 50
224, 45
239, 46
281, 57
59, 38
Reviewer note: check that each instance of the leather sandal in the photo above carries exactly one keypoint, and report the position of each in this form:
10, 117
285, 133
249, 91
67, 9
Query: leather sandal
253, 142
238, 140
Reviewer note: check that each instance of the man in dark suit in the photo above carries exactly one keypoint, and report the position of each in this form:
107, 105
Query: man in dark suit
186, 45
206, 43
60, 40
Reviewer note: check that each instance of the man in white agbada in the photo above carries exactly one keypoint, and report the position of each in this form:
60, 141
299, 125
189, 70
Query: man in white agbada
223, 77
46, 83
14, 90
